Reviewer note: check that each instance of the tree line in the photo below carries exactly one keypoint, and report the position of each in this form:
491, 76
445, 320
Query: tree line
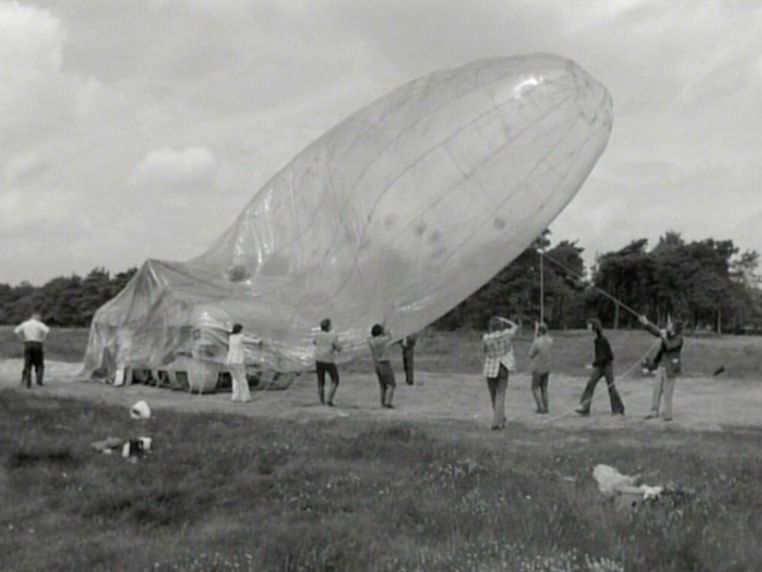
65, 301
708, 284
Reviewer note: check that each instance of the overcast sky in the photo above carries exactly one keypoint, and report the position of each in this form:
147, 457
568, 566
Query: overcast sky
141, 128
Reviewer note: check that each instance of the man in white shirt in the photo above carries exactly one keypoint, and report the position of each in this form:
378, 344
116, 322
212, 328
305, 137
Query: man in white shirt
327, 345
33, 333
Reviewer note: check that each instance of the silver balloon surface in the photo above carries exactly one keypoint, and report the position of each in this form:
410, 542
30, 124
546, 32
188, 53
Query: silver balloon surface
398, 213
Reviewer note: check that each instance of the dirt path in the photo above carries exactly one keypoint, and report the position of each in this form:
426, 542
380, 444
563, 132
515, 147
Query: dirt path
700, 403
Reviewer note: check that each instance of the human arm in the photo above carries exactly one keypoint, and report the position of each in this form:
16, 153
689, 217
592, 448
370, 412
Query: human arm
256, 340
509, 323
651, 328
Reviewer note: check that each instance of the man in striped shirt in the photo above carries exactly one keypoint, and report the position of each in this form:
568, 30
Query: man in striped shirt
499, 360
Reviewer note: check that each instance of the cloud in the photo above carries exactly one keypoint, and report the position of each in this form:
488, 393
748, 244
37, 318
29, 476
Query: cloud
31, 43
105, 105
22, 166
171, 167
37, 94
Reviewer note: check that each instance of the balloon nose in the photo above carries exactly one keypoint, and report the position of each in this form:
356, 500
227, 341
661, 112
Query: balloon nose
593, 100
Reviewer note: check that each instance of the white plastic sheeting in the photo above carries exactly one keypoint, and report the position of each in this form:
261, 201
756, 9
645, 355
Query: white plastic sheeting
398, 213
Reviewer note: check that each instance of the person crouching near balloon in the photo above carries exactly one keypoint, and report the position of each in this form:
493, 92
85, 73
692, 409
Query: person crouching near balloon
380, 340
603, 366
327, 345
540, 359
499, 361
669, 367
235, 361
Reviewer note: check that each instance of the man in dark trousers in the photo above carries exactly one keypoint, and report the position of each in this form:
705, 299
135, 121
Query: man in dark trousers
33, 333
603, 366
408, 352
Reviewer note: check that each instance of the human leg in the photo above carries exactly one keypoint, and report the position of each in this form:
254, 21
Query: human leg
391, 384
244, 393
587, 394
537, 391
320, 371
381, 384
492, 388
235, 383
657, 393
333, 371
408, 363
544, 391
498, 419
669, 388
38, 361
617, 406
26, 373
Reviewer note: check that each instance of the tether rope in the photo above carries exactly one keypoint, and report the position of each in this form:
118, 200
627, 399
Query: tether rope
569, 410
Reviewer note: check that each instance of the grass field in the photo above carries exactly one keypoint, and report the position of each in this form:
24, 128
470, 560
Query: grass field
223, 492
459, 352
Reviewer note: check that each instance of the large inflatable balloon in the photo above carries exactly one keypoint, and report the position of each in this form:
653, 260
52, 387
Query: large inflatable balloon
396, 214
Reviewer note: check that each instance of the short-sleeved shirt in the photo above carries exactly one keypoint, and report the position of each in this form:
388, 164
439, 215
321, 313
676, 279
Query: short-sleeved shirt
379, 347
498, 349
32, 330
326, 346
236, 350
540, 353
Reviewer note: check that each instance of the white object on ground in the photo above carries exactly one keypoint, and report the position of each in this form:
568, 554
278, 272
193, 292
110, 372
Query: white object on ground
611, 483
140, 410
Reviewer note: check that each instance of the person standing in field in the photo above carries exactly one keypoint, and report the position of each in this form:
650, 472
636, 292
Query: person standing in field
540, 362
408, 353
379, 343
499, 361
603, 366
33, 333
236, 363
669, 365
327, 345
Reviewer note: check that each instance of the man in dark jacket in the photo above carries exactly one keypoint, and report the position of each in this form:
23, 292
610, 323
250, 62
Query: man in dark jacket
603, 366
408, 355
669, 364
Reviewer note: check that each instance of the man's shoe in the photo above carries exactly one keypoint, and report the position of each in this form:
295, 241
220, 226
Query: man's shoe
582, 412
667, 419
651, 416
